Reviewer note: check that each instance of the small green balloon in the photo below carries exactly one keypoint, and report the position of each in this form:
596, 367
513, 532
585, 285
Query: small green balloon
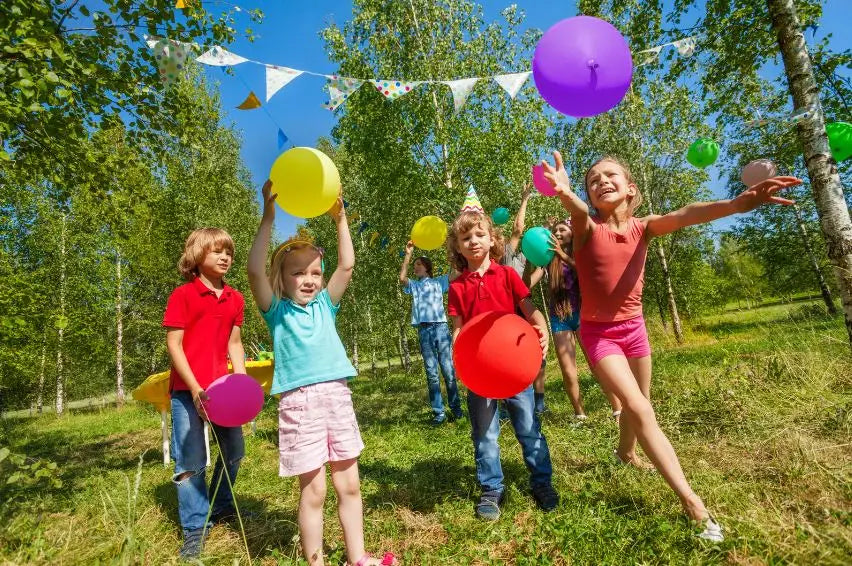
702, 152
536, 246
500, 215
840, 140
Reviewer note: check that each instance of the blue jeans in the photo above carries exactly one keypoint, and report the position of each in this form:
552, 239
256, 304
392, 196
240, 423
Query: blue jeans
485, 426
436, 347
190, 456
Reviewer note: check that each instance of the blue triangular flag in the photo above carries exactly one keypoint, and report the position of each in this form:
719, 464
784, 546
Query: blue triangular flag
282, 139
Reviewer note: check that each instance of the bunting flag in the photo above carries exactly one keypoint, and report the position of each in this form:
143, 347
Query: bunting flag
461, 90
171, 59
282, 139
362, 227
685, 46
277, 78
180, 5
220, 57
647, 56
383, 243
250, 103
373, 237
512, 82
394, 89
339, 89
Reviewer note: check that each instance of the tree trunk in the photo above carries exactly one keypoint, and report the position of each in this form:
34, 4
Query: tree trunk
40, 392
661, 306
406, 354
355, 351
822, 169
60, 383
823, 287
664, 267
119, 332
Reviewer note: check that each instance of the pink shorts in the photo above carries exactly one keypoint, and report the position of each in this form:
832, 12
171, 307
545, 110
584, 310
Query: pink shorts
626, 338
316, 424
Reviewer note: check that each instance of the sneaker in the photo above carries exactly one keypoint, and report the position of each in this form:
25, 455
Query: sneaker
193, 542
488, 507
712, 530
457, 415
504, 413
545, 497
438, 420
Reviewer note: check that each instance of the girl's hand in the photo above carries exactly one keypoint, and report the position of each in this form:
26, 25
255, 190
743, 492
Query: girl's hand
527, 190
268, 201
764, 192
556, 247
337, 209
557, 175
409, 247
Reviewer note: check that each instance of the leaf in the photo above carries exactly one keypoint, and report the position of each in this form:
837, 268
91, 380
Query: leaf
14, 478
4, 452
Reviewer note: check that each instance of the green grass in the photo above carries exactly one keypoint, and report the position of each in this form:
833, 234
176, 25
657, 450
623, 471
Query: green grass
757, 404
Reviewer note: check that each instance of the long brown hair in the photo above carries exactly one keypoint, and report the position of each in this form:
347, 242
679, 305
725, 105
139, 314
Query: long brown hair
559, 299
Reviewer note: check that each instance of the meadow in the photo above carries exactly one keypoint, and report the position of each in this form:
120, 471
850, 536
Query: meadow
758, 404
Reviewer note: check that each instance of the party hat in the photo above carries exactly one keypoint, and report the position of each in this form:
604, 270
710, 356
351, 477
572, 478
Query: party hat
471, 202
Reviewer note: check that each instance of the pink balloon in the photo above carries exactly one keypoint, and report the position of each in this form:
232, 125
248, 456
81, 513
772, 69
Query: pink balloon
234, 400
757, 171
541, 183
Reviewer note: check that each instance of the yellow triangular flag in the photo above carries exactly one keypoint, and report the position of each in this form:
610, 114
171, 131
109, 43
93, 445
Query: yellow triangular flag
250, 103
180, 5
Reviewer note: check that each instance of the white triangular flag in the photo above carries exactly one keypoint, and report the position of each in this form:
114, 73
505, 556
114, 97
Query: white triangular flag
461, 89
512, 82
220, 57
277, 78
685, 46
649, 55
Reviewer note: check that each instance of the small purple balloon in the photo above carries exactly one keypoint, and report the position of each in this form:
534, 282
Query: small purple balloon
582, 66
234, 400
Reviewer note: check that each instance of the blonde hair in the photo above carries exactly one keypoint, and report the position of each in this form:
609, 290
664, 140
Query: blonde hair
279, 258
464, 222
635, 200
196, 247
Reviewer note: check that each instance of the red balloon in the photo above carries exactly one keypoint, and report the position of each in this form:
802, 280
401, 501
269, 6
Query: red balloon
497, 355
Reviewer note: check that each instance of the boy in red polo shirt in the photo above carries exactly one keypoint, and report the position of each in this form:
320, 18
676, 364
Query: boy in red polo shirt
475, 248
203, 319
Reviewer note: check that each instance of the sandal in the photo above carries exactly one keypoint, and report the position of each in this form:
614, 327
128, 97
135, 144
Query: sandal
387, 560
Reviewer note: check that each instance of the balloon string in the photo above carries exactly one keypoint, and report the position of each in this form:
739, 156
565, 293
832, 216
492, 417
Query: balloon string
227, 475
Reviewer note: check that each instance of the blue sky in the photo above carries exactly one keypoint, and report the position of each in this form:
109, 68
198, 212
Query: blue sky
289, 36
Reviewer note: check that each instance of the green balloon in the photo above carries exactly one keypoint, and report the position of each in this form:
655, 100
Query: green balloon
500, 215
840, 140
703, 152
536, 246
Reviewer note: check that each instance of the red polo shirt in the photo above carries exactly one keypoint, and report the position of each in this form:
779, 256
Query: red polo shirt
207, 322
499, 289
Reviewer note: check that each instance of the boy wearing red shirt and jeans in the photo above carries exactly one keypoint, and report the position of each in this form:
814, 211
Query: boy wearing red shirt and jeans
203, 319
475, 248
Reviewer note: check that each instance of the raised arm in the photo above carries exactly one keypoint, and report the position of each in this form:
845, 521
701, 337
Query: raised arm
701, 212
581, 223
520, 217
345, 254
403, 272
259, 283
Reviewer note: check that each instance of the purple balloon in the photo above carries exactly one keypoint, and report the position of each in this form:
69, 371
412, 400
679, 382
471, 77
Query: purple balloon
582, 66
234, 399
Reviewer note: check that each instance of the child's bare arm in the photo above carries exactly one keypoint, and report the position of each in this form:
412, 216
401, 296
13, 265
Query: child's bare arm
520, 217
457, 326
403, 272
581, 222
236, 351
260, 287
701, 212
534, 316
345, 255
174, 344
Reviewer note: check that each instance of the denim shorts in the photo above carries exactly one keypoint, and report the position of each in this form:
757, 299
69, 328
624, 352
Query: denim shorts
571, 323
316, 424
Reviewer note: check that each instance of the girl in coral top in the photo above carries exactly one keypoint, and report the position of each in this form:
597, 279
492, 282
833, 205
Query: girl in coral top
610, 249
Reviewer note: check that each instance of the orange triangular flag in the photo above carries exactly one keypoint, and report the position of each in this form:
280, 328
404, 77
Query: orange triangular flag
250, 103
180, 5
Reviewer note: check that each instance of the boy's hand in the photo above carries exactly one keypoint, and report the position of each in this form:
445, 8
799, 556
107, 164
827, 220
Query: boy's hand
764, 192
557, 175
198, 399
268, 201
543, 338
409, 248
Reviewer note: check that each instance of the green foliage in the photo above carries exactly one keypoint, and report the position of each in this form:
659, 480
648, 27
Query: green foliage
21, 477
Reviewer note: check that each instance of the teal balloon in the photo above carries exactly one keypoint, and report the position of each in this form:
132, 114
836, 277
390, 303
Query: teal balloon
500, 215
703, 152
840, 140
536, 246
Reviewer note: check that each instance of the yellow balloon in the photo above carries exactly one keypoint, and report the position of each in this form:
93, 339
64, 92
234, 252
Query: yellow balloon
306, 180
429, 233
